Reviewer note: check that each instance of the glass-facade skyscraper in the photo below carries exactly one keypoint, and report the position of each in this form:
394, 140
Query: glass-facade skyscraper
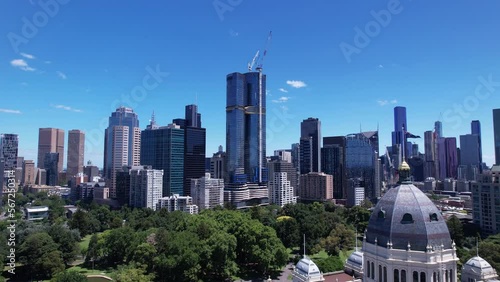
334, 152
310, 145
163, 148
360, 162
476, 130
400, 124
496, 133
246, 127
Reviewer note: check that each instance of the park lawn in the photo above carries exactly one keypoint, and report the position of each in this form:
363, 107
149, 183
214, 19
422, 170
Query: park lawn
86, 271
84, 244
320, 255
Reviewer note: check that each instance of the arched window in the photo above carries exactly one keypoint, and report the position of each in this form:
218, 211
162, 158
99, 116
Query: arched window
433, 216
407, 219
368, 268
396, 275
403, 275
385, 274
380, 273
451, 275
422, 277
381, 214
415, 276
373, 270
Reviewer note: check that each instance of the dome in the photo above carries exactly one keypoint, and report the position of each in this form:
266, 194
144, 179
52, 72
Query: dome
406, 218
307, 267
479, 267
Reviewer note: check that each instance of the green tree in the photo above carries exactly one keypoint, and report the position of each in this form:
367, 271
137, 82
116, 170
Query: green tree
67, 242
81, 221
69, 276
288, 230
131, 274
143, 256
330, 264
92, 250
341, 238
119, 245
40, 255
456, 230
358, 216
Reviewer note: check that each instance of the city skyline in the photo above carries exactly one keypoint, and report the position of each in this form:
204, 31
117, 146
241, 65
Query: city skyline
387, 72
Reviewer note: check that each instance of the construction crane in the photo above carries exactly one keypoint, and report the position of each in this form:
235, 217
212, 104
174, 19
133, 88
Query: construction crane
258, 59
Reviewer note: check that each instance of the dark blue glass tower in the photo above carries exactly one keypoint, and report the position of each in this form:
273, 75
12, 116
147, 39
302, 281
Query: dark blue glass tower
476, 130
310, 144
496, 134
246, 127
399, 125
360, 158
163, 148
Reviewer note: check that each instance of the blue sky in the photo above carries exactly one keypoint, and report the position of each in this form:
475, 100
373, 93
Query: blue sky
69, 65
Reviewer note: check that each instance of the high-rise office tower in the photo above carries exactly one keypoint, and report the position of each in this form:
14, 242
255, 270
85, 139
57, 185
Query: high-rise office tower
194, 147
217, 165
360, 163
76, 147
246, 127
310, 145
400, 124
122, 144
438, 128
146, 186
162, 147
336, 163
296, 155
430, 154
51, 164
50, 140
486, 206
476, 130
28, 174
285, 155
9, 144
451, 157
469, 156
496, 133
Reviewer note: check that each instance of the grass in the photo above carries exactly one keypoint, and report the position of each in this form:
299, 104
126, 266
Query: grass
84, 244
320, 255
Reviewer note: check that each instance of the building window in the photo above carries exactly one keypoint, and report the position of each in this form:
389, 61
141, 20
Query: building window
415, 276
368, 268
451, 275
422, 276
396, 275
407, 219
434, 217
403, 275
373, 270
381, 214
380, 273
385, 274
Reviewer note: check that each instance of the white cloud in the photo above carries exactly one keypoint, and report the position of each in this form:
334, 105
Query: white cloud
281, 99
67, 108
27, 56
296, 83
386, 102
61, 75
21, 64
9, 111
380, 66
283, 90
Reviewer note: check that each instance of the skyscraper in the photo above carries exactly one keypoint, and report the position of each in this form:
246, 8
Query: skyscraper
451, 157
76, 147
194, 147
430, 154
50, 140
9, 144
438, 128
246, 127
360, 162
469, 155
282, 181
399, 125
207, 192
122, 144
476, 130
310, 145
335, 152
163, 148
496, 133
51, 164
